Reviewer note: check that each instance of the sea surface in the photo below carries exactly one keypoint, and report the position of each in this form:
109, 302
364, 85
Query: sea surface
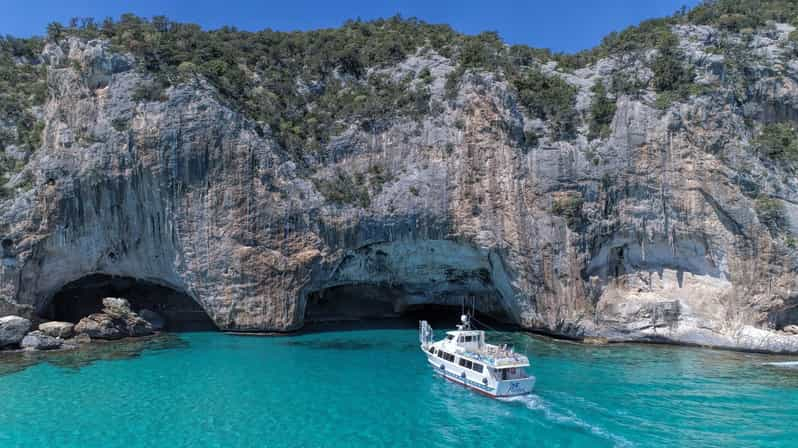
373, 388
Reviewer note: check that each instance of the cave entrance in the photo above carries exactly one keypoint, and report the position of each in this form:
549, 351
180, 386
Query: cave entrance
394, 306
84, 296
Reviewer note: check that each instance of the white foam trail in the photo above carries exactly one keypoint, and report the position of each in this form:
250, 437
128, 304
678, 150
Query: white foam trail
791, 364
537, 403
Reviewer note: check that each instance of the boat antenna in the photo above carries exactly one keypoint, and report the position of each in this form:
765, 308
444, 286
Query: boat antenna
473, 306
484, 324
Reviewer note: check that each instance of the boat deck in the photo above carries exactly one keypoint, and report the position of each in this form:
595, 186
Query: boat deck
497, 357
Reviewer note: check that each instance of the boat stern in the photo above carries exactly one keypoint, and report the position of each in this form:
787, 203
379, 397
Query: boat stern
511, 388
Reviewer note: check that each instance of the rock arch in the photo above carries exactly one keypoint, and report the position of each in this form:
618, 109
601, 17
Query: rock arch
83, 296
390, 279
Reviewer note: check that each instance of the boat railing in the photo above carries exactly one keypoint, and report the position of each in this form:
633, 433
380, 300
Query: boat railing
425, 334
498, 356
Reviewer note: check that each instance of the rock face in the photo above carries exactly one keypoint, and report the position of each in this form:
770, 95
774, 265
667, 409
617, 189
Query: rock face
116, 321
63, 330
649, 233
12, 330
37, 340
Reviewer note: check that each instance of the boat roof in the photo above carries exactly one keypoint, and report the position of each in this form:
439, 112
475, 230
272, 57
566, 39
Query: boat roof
506, 360
492, 355
465, 332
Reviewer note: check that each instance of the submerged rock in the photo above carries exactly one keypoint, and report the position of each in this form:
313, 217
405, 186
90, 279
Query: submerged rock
82, 338
156, 320
13, 330
37, 340
592, 340
63, 330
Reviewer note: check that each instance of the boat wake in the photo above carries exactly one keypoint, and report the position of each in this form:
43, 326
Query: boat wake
788, 364
566, 417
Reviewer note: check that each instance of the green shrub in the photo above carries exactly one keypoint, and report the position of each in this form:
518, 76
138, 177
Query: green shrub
624, 84
30, 135
771, 213
664, 100
602, 111
531, 140
569, 206
452, 83
425, 76
735, 15
670, 74
22, 86
778, 141
120, 124
736, 22
481, 51
549, 98
379, 176
343, 189
149, 91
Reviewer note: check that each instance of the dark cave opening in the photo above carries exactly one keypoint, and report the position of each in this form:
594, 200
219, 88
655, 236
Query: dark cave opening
84, 296
379, 306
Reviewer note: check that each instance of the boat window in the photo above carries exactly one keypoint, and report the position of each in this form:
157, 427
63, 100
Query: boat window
460, 339
446, 356
477, 367
465, 363
449, 337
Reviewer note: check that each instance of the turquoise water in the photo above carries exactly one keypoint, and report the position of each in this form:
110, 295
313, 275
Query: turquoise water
373, 388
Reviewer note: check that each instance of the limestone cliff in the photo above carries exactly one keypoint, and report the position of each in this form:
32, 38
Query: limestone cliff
649, 232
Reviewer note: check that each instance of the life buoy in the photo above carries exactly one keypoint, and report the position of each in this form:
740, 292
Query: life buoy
462, 375
443, 367
485, 381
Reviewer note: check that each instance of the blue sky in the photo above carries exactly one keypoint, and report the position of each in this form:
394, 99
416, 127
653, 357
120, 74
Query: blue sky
562, 25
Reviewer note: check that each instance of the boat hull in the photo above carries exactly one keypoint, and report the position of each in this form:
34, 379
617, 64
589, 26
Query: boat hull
502, 389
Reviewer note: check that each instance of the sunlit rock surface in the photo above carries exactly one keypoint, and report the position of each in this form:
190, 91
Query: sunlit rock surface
186, 194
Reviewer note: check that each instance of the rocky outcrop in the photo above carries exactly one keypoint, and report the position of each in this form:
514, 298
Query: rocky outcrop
13, 309
63, 330
12, 330
37, 340
649, 233
116, 321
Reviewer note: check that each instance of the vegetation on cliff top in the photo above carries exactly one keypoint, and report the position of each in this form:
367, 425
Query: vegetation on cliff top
22, 86
308, 86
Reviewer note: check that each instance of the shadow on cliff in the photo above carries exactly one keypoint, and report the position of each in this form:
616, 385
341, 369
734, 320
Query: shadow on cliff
441, 317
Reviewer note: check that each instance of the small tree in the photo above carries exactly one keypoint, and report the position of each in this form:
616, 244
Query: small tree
771, 213
602, 111
669, 72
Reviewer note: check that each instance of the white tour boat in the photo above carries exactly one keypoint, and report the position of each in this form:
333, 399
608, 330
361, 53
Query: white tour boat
465, 358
